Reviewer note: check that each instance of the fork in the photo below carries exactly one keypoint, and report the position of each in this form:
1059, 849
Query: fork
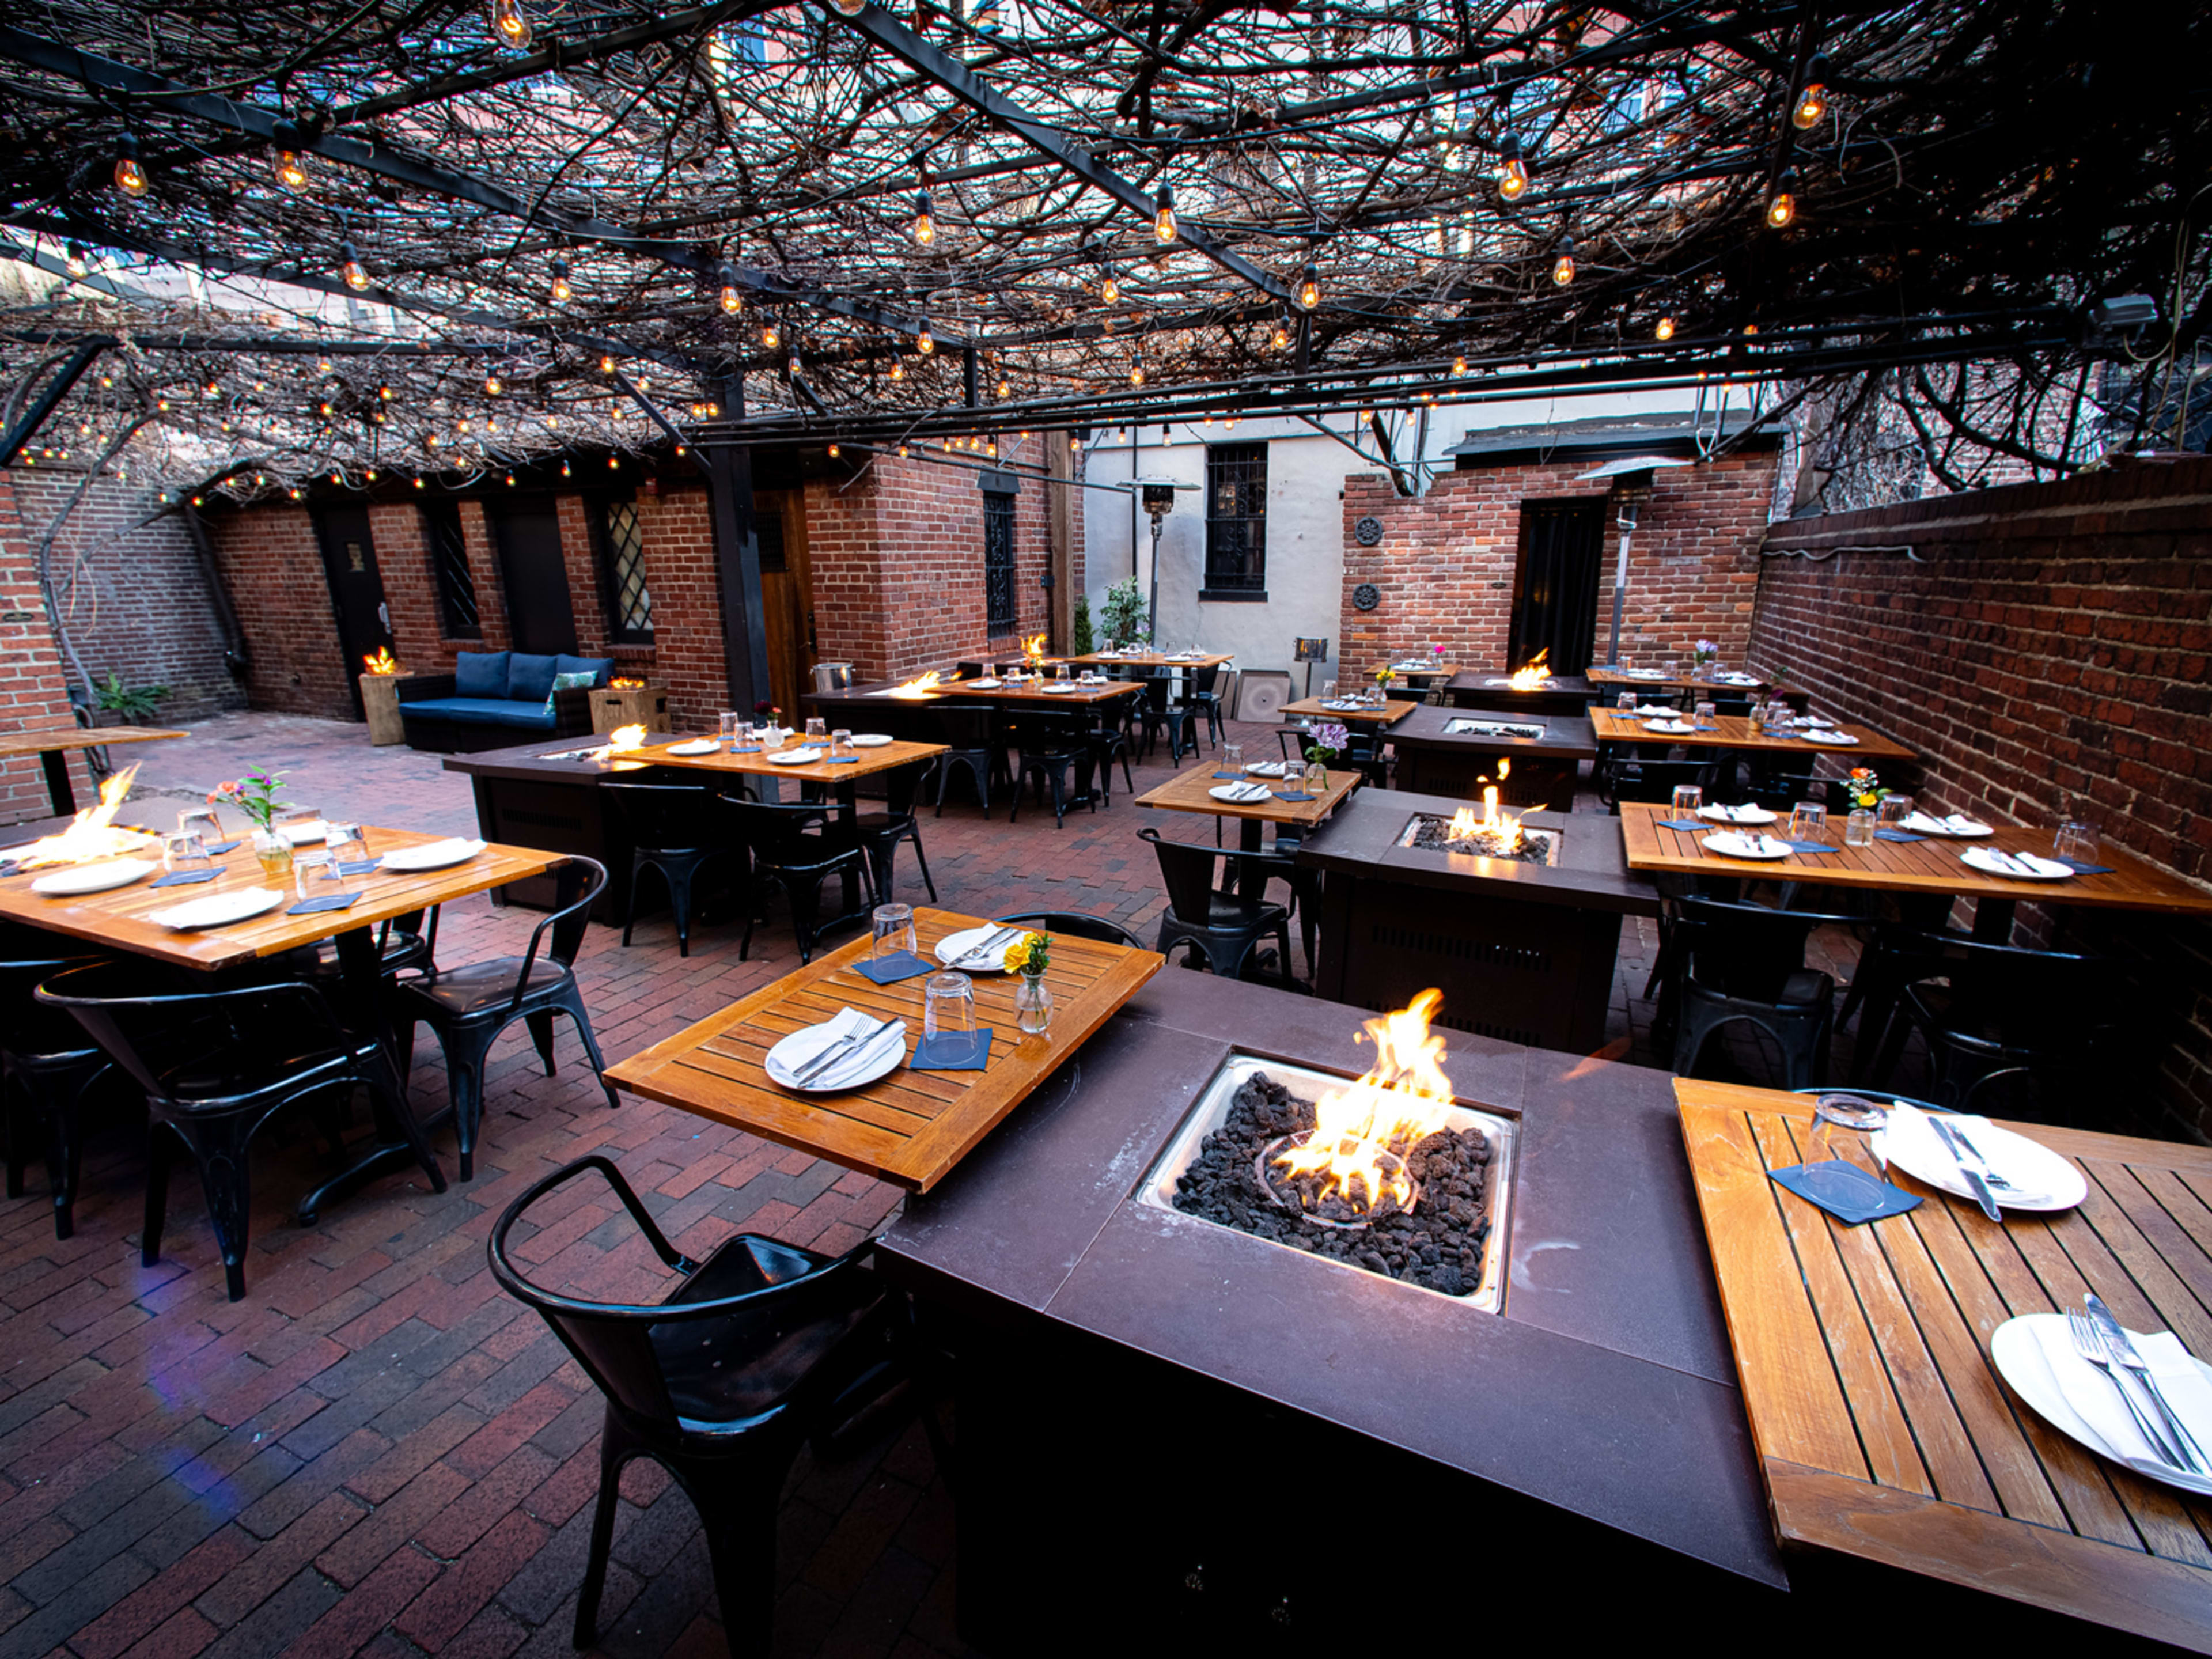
2089, 1343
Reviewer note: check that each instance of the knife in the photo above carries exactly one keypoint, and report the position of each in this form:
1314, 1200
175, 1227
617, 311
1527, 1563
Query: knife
1976, 1174
838, 1050
997, 941
2123, 1352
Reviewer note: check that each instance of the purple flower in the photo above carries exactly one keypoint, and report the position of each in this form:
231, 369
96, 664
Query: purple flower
1332, 735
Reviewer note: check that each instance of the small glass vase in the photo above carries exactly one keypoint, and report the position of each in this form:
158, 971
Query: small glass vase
1858, 827
1316, 778
1033, 1005
275, 851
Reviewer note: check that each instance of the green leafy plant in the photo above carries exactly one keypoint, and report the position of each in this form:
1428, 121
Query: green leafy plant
254, 794
1084, 640
133, 702
1123, 616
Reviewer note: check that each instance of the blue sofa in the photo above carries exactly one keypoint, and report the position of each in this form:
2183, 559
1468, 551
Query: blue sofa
495, 699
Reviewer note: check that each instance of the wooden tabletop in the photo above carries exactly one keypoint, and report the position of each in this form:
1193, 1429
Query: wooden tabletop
1426, 671
910, 1128
13, 744
1733, 731
1154, 659
1083, 696
1931, 865
118, 919
1186, 792
1882, 1429
1386, 714
881, 758
1614, 677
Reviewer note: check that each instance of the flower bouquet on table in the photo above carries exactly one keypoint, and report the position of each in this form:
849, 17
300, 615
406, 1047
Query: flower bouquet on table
1864, 787
1324, 744
1704, 657
1028, 957
254, 794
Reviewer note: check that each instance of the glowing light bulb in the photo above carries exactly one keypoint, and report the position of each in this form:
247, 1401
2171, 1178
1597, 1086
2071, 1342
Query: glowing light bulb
849, 7
77, 266
354, 272
902, 452
129, 176
925, 342
1812, 106
1512, 171
1562, 268
1459, 365
1110, 289
510, 23
561, 291
493, 386
1163, 217
834, 451
1782, 206
1666, 329
770, 336
924, 229
1137, 373
898, 371
1309, 290
1281, 337
1006, 389
383, 394
289, 169
733, 301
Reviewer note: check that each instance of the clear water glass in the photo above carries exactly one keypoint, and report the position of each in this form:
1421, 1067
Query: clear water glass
201, 821
2076, 840
1625, 703
348, 843
841, 741
1808, 821
1232, 757
1328, 690
1062, 672
313, 873
948, 1014
1688, 798
1893, 809
894, 930
1706, 714
1829, 1172
1858, 828
731, 728
186, 850
816, 728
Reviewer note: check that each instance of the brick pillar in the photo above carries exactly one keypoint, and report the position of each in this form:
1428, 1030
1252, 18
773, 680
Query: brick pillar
33, 691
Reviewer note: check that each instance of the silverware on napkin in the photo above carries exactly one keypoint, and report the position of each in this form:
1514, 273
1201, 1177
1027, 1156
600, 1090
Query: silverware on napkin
2089, 1343
997, 942
838, 1050
1971, 1167
2122, 1348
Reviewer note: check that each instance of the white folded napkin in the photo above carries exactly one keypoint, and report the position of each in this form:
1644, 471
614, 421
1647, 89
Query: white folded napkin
1657, 711
805, 1046
2097, 1402
1908, 1136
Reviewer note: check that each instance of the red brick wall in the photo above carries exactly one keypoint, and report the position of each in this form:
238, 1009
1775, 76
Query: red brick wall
686, 585
274, 569
2041, 639
33, 695
1448, 561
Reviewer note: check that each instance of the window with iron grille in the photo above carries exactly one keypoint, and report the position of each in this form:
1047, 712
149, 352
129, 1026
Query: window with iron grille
999, 562
622, 556
1236, 521
449, 573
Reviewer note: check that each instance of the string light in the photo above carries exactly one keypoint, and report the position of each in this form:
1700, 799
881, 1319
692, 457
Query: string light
1782, 207
1562, 268
1459, 365
733, 301
924, 229
383, 394
354, 272
1309, 293
76, 265
925, 342
1666, 329
418, 483
1281, 338
834, 451
289, 169
129, 176
1110, 289
1137, 373
561, 291
769, 336
1163, 214
1006, 389
564, 468
492, 386
1512, 171
1813, 101
791, 364
510, 23
607, 365
898, 371
902, 452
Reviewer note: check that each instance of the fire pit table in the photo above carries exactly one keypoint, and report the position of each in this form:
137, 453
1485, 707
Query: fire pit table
1492, 687
1534, 760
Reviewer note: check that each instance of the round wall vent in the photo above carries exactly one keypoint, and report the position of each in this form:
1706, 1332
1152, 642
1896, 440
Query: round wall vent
1368, 531
1366, 596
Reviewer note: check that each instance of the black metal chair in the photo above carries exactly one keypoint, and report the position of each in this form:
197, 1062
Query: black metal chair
880, 833
1278, 864
1049, 753
760, 1348
1221, 926
1107, 739
1177, 721
1745, 962
971, 736
215, 1066
1200, 702
469, 1007
671, 830
1632, 778
1075, 925
793, 847
45, 1067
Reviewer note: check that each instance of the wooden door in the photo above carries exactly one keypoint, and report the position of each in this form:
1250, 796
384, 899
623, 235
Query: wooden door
786, 594
1555, 599
356, 589
540, 616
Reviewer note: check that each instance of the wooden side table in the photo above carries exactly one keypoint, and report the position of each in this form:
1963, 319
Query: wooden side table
643, 705
379, 702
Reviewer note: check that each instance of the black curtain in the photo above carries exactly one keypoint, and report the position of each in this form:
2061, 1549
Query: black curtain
1555, 610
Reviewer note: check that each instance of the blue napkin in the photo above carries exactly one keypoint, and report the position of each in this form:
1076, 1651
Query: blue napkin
891, 970
746, 749
840, 760
1227, 774
1807, 845
1897, 835
214, 846
358, 867
925, 1057
1845, 1191
2081, 869
184, 878
1294, 794
328, 902
1685, 823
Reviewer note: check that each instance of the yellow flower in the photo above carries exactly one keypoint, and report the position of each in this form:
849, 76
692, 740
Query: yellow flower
1028, 948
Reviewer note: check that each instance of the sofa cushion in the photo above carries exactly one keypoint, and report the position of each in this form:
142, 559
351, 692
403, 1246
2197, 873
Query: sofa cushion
530, 679
578, 680
482, 711
480, 674
600, 668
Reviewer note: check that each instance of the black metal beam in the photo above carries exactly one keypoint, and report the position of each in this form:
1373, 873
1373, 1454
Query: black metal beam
27, 428
956, 77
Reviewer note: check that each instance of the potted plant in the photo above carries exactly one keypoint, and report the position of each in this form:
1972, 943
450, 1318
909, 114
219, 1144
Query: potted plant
1123, 616
1326, 742
1863, 788
1028, 957
1080, 634
254, 794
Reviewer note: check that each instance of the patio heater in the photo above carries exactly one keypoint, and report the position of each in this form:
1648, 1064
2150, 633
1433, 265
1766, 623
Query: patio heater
1159, 502
1631, 487
1309, 651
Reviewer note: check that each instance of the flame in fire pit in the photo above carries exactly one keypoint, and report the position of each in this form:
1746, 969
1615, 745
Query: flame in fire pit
1033, 650
626, 683
919, 688
1402, 1097
380, 661
1531, 676
1501, 830
624, 739
94, 834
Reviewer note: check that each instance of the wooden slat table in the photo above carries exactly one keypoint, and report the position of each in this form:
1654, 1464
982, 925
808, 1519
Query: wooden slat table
52, 749
1150, 659
1614, 680
1030, 695
911, 1127
1883, 1431
1186, 792
1388, 714
1733, 731
1430, 671
883, 757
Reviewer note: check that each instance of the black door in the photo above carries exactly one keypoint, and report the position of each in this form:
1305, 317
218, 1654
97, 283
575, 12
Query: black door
1555, 601
356, 591
538, 614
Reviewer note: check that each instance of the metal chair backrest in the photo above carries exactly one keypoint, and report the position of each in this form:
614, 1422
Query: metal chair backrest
1746, 949
1655, 780
776, 831
664, 817
576, 887
613, 1340
2033, 999
1075, 927
965, 725
1201, 681
31, 1028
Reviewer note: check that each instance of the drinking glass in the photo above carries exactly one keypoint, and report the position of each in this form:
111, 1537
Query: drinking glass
732, 727
201, 821
1688, 798
1808, 821
186, 850
1625, 703
348, 843
841, 741
1703, 716
948, 1014
2076, 840
894, 930
1061, 673
1233, 757
1328, 690
816, 728
310, 873
1893, 809
1828, 1171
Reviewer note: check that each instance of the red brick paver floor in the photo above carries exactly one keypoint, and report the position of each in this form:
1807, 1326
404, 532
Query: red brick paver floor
377, 1450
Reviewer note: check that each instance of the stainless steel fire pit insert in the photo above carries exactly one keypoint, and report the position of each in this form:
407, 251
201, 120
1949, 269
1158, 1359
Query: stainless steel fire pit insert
1307, 1084
1491, 729
1546, 842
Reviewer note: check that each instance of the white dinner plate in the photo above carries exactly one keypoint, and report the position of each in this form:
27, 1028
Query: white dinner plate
1060, 688
216, 909
953, 946
1237, 794
2026, 866
795, 757
697, 746
1412, 668
100, 877
1732, 844
1734, 679
433, 854
2018, 1355
980, 685
880, 1055
306, 833
1273, 768
1827, 739
2036, 1178
1953, 828
869, 740
1671, 727
1645, 673
1719, 814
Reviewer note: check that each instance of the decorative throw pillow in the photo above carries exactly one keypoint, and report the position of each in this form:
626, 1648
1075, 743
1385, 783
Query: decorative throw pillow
567, 683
